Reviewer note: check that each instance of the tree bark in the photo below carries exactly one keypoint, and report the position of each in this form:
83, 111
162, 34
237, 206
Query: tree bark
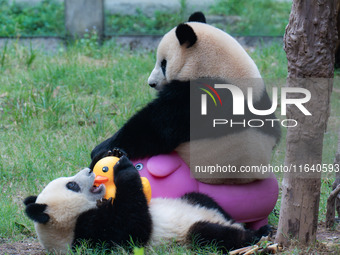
330, 215
337, 51
310, 41
333, 201
337, 176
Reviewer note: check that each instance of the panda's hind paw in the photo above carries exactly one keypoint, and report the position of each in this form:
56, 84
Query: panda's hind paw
264, 231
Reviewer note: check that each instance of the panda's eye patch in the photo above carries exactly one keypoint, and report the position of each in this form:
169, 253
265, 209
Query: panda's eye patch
105, 169
163, 66
73, 186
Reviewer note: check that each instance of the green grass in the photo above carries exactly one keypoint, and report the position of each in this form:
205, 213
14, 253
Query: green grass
164, 249
158, 24
55, 109
46, 18
257, 17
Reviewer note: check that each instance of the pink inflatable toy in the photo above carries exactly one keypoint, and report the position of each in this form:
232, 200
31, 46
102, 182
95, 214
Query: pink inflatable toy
250, 203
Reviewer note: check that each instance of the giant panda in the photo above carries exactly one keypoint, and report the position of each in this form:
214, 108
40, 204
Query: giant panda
69, 210
190, 51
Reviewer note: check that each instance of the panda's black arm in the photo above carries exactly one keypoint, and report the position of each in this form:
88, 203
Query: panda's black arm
158, 128
127, 219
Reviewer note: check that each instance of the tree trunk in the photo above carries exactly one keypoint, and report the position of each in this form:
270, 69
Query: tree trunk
337, 176
310, 40
337, 51
333, 201
330, 215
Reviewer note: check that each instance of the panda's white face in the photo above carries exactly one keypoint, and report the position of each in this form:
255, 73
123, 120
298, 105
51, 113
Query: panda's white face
66, 198
170, 60
211, 53
66, 191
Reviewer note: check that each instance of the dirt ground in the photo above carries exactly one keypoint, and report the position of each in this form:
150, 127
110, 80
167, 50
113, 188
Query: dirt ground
328, 243
29, 246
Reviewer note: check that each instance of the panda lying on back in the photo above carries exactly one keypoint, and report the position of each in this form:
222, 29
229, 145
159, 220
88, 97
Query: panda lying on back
68, 210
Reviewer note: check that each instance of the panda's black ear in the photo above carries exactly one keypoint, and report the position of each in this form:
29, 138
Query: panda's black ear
30, 200
186, 35
36, 212
197, 17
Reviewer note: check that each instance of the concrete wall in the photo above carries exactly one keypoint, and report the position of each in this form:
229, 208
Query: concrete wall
82, 16
146, 6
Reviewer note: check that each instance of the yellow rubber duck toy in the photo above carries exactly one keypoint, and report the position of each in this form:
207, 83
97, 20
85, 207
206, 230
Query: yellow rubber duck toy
104, 175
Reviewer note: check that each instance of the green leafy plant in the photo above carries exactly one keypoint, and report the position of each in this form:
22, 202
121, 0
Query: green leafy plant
30, 56
257, 17
3, 55
44, 18
89, 43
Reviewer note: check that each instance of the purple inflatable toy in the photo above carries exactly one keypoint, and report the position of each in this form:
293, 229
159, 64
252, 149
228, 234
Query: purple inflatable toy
250, 203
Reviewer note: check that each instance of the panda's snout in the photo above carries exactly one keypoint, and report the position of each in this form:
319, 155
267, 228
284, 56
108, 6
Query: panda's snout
155, 77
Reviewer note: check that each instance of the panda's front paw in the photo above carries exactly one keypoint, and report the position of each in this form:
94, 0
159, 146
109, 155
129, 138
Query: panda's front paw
116, 152
124, 170
123, 163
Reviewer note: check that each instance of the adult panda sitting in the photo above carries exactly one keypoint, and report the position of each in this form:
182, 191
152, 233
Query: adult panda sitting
190, 51
67, 212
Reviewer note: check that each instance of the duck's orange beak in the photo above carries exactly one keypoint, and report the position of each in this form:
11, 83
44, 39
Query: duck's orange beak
100, 179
